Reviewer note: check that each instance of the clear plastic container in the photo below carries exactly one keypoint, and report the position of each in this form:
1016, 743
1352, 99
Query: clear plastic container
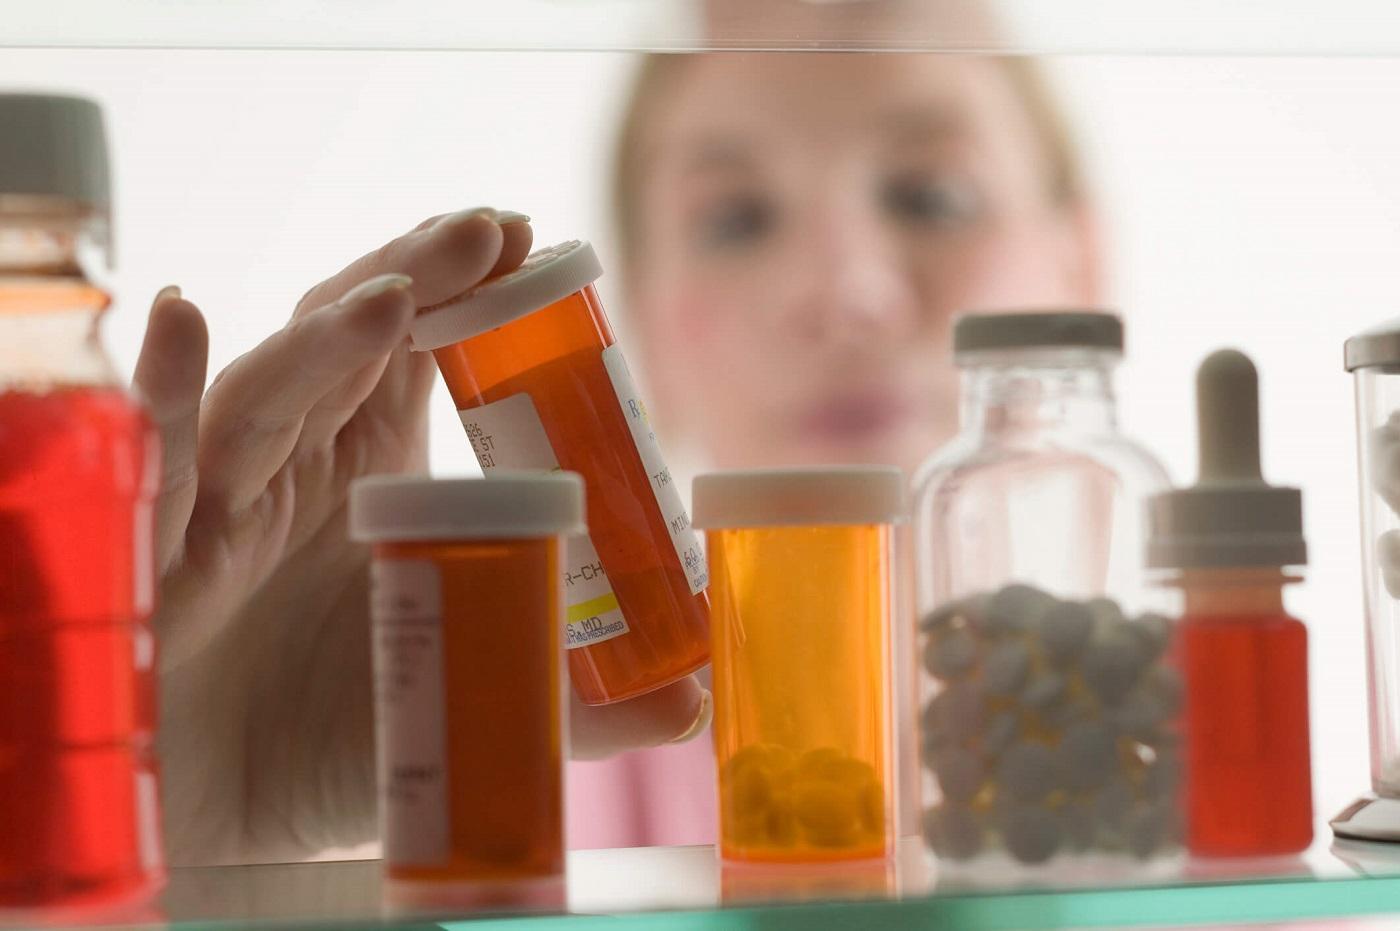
801, 626
79, 473
468, 611
1050, 699
541, 383
1373, 358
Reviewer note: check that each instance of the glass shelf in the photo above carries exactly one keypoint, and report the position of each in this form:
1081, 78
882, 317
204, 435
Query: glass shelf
685, 888
1306, 27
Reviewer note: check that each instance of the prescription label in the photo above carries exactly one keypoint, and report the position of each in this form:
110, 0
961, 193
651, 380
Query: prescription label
406, 608
668, 496
508, 434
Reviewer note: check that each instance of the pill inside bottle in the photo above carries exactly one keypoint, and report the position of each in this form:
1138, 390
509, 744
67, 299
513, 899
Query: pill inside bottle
540, 382
467, 614
801, 640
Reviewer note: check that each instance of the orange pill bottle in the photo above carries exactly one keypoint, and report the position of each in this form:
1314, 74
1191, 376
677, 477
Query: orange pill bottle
467, 614
540, 383
801, 563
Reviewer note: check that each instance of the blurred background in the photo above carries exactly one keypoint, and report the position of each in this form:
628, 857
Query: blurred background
1252, 202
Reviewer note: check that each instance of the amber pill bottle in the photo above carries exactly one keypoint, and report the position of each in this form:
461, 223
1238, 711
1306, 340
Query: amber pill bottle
540, 383
801, 563
467, 613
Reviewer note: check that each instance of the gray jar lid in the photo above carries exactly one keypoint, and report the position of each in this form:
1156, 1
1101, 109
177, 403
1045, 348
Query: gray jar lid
1376, 347
54, 147
1070, 329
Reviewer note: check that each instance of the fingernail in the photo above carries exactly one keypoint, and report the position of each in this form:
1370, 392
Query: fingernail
702, 719
374, 287
504, 217
170, 290
462, 216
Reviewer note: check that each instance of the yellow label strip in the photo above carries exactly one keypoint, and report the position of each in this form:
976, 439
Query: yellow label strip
592, 608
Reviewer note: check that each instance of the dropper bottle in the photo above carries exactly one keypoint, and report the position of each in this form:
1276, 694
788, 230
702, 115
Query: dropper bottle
1228, 543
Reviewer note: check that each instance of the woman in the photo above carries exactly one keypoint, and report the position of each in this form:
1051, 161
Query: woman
797, 232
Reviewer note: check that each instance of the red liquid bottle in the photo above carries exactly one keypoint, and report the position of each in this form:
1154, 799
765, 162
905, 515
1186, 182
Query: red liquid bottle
1226, 541
79, 467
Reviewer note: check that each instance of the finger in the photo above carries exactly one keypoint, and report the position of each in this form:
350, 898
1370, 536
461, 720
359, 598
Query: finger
444, 257
169, 377
253, 413
675, 714
516, 239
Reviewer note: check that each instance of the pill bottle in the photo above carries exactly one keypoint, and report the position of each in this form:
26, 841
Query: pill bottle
467, 613
1230, 544
540, 383
1051, 696
79, 473
800, 643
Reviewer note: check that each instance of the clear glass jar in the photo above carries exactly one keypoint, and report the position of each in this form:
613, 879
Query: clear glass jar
79, 472
1373, 358
1049, 705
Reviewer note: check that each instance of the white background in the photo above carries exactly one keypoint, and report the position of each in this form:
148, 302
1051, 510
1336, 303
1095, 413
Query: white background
1252, 202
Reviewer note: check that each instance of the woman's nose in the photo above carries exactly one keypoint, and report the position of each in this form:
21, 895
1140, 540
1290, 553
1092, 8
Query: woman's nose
850, 281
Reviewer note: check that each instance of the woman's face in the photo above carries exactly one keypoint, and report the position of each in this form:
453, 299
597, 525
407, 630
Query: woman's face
808, 227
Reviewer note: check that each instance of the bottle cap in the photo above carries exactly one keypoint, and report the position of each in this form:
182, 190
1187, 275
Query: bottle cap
1069, 329
54, 148
827, 495
1231, 517
507, 505
1378, 347
546, 276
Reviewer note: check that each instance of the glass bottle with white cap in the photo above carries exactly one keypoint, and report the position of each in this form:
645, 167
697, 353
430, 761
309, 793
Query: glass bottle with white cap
1373, 358
1049, 702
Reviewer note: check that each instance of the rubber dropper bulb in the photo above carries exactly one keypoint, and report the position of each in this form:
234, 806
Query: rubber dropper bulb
1227, 418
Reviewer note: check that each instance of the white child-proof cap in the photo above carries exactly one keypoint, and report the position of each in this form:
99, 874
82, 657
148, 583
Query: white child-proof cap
388, 508
827, 495
546, 276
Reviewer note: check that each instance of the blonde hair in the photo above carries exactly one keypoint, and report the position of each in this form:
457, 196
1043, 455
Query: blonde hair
1064, 179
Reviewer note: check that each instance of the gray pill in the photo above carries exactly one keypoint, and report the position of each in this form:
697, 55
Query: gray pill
1000, 732
1044, 690
1143, 830
1140, 715
1077, 824
1031, 834
950, 654
1068, 713
1163, 777
1087, 755
1111, 665
1065, 630
941, 617
1105, 612
960, 774
1112, 803
955, 715
1164, 683
1004, 672
1154, 633
1015, 608
953, 831
1027, 771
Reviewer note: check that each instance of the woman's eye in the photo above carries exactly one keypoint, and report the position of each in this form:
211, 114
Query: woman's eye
735, 223
929, 202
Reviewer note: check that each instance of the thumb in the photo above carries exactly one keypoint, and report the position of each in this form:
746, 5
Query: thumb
674, 714
170, 380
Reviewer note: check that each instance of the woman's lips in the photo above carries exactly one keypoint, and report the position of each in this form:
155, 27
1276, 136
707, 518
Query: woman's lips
858, 416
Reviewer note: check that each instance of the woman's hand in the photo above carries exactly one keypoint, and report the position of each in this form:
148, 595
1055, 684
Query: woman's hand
266, 730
